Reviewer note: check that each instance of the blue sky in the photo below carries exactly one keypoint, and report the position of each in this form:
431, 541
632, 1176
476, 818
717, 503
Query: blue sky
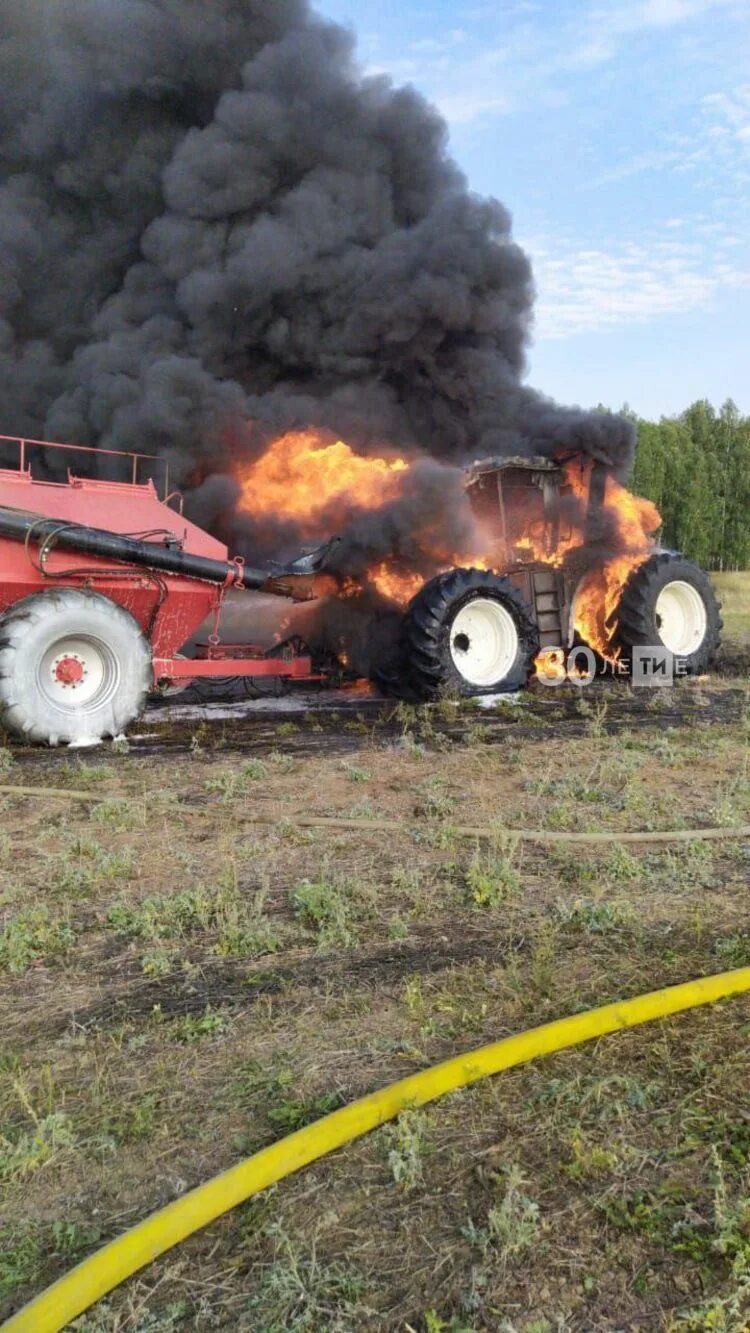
618, 134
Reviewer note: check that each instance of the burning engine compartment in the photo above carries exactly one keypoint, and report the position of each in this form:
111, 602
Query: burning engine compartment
470, 579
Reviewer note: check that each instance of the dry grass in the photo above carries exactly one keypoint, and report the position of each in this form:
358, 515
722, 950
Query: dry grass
181, 984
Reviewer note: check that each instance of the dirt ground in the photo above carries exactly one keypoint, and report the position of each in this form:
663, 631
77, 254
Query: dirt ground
189, 975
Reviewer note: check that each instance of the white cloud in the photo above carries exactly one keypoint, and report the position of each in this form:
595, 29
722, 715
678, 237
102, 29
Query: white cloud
439, 45
712, 147
504, 55
582, 289
733, 112
631, 18
461, 108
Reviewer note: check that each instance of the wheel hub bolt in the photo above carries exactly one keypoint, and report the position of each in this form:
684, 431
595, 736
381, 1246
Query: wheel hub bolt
69, 672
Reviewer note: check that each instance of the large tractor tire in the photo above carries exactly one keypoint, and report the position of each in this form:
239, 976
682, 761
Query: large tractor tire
670, 601
74, 668
471, 632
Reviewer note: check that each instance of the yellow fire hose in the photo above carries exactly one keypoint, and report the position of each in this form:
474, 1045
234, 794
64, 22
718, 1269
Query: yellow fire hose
103, 1271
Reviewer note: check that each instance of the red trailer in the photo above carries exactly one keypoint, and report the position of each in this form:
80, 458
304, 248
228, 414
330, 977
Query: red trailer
102, 582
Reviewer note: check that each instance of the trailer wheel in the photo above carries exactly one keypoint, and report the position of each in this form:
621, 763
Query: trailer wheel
74, 667
471, 631
668, 600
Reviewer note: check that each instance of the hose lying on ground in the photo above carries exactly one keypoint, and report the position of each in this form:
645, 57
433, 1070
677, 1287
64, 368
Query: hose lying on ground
103, 1271
496, 831
398, 826
91, 798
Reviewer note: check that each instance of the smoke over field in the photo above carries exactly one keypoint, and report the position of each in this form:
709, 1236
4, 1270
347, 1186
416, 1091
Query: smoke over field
215, 230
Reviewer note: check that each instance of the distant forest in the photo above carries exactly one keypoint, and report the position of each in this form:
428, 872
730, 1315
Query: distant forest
696, 469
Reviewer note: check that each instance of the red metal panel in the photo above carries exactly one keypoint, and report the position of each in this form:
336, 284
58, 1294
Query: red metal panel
122, 508
114, 505
188, 601
169, 607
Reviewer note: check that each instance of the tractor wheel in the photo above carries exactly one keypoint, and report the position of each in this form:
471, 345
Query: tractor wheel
74, 667
388, 662
469, 631
668, 600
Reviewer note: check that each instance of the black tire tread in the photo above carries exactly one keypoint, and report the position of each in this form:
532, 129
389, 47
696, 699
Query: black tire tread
426, 630
635, 626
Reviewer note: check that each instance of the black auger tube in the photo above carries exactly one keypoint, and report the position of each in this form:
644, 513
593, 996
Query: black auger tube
128, 551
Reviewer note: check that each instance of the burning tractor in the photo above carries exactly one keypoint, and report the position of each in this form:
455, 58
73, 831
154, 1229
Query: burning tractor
570, 560
104, 582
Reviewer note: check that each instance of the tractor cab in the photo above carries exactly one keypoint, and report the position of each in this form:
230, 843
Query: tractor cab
535, 509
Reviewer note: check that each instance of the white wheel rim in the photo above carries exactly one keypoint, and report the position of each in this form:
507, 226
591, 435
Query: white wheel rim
484, 641
681, 618
78, 673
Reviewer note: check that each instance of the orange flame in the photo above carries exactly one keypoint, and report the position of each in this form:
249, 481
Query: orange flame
397, 585
316, 484
635, 521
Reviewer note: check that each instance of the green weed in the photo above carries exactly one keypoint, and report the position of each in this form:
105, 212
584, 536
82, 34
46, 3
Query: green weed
289, 1113
21, 1253
588, 1161
244, 929
362, 810
119, 816
73, 773
734, 950
492, 878
32, 935
329, 906
26, 1151
167, 1319
687, 867
132, 1121
433, 1323
26, 1249
729, 1242
397, 929
433, 799
512, 1225
620, 864
234, 782
729, 1137
239, 923
196, 1027
595, 714
414, 998
87, 863
409, 1147
283, 763
591, 917
229, 784
299, 1294
407, 881
157, 963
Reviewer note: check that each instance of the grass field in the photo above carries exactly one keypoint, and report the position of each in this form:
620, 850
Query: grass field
734, 594
181, 984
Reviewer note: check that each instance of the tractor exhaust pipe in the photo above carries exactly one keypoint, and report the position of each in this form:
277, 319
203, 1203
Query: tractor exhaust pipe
51, 532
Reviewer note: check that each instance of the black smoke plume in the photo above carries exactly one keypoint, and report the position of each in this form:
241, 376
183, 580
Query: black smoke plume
213, 228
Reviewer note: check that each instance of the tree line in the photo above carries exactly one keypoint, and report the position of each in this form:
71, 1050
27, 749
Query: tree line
696, 469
